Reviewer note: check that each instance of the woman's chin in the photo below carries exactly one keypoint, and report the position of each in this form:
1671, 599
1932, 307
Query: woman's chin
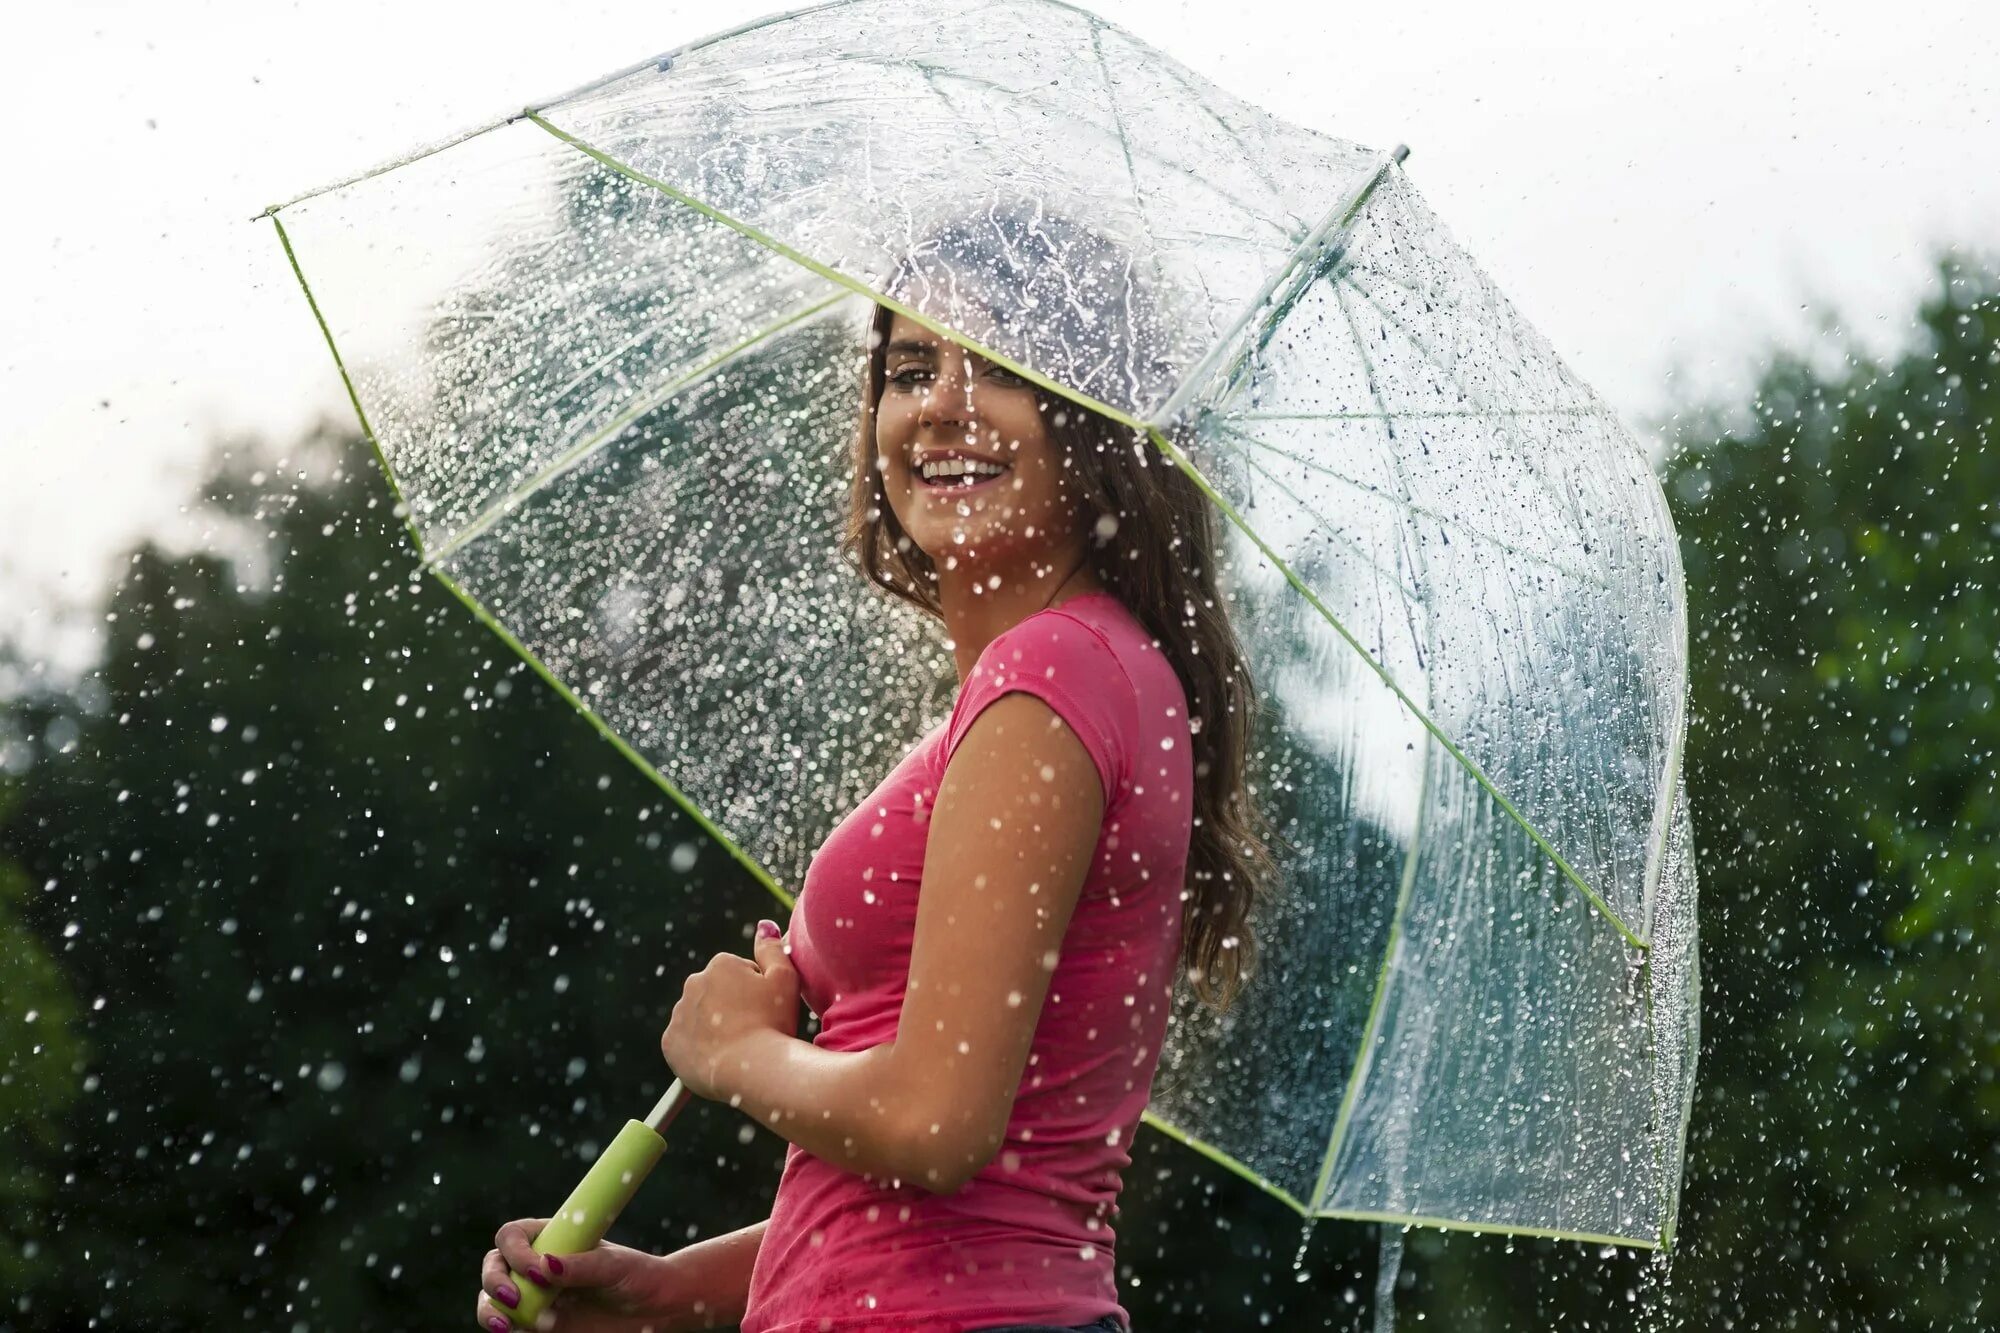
968, 544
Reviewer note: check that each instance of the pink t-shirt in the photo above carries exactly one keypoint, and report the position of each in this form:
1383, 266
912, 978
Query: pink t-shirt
1029, 1239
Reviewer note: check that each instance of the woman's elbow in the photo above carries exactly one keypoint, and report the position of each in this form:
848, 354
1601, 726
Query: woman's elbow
944, 1163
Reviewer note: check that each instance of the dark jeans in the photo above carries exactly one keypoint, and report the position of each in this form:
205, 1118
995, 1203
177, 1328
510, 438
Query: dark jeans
1108, 1324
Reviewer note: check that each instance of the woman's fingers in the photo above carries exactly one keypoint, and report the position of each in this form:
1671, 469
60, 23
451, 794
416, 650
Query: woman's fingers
513, 1248
497, 1289
490, 1316
496, 1282
514, 1242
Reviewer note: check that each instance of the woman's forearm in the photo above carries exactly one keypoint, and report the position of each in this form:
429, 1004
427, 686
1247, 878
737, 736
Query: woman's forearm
707, 1284
843, 1107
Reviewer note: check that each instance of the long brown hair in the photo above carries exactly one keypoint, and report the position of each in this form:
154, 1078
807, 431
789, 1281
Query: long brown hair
1157, 554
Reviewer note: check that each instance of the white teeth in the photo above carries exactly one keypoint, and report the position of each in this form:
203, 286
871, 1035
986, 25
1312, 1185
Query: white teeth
958, 467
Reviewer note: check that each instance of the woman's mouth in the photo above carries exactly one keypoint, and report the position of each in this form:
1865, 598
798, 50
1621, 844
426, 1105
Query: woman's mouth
960, 483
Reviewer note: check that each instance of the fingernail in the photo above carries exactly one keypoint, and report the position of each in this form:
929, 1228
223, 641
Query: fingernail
768, 930
535, 1276
555, 1265
497, 1324
509, 1295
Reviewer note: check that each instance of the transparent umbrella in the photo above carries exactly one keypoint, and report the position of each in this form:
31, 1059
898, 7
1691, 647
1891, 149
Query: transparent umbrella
607, 350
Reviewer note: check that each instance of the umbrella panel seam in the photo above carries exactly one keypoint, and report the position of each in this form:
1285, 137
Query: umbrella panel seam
1376, 1005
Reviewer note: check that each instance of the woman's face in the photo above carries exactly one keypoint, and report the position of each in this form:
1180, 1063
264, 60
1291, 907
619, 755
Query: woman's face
942, 402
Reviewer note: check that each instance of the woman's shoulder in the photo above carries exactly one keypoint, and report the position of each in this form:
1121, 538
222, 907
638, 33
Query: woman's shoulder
1087, 642
1104, 620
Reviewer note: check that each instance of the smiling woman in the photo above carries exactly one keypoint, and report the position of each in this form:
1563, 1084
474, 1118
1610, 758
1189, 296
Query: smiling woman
991, 939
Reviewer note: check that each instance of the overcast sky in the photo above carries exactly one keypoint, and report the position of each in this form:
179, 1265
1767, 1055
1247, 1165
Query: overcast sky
1660, 188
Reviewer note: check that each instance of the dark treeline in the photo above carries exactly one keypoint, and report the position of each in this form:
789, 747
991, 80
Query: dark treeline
330, 937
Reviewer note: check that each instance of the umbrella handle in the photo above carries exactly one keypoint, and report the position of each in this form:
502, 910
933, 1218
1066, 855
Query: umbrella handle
591, 1209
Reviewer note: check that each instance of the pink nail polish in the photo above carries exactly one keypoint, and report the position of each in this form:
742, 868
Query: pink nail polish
555, 1265
508, 1295
497, 1324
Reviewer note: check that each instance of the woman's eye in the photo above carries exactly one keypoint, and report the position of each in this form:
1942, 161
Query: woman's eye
908, 375
1008, 377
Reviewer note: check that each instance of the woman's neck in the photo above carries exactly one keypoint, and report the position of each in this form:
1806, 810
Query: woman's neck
975, 613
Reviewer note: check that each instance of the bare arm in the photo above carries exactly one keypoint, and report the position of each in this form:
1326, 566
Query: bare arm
707, 1284
1011, 835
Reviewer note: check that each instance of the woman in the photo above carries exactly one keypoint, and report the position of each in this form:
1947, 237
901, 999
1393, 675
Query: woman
1079, 827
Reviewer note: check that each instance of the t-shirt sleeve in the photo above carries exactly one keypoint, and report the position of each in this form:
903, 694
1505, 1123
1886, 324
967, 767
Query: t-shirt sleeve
1068, 666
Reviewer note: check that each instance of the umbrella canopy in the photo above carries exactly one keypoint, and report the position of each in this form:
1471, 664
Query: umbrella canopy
608, 352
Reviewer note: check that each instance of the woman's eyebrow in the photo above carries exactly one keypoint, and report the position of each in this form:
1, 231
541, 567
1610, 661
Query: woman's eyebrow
911, 347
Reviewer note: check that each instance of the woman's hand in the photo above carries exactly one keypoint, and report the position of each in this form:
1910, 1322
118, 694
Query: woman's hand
732, 1000
602, 1290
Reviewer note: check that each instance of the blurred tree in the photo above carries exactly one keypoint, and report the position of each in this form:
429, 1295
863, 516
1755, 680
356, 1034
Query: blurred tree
42, 1062
1840, 548
385, 936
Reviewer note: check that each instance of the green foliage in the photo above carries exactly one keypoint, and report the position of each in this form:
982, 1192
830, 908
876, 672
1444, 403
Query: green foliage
1840, 550
385, 936
42, 1059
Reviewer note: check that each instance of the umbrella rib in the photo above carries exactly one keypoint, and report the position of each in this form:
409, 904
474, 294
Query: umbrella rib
1487, 1228
624, 747
1131, 173
1670, 773
932, 74
1684, 1113
1269, 305
1225, 1160
1451, 747
1657, 840
1393, 576
1374, 392
1124, 139
1372, 1031
1343, 284
1173, 71
353, 396
1443, 520
1221, 1158
1388, 426
1339, 287
586, 448
834, 275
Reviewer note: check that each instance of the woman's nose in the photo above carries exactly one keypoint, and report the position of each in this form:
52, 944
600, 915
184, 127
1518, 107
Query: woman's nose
948, 398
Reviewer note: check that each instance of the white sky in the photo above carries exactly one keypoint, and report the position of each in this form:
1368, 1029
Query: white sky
1660, 188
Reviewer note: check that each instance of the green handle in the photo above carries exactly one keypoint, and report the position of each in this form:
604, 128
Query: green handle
591, 1209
